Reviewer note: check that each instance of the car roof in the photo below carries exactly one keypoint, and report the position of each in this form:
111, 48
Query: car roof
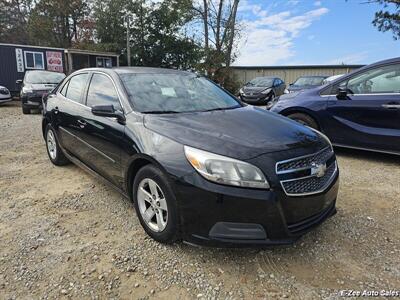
137, 70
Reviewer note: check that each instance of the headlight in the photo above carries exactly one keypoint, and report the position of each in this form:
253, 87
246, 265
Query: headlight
267, 91
225, 170
241, 91
27, 90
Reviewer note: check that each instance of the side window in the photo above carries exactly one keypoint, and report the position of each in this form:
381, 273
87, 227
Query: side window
76, 87
102, 92
64, 89
384, 79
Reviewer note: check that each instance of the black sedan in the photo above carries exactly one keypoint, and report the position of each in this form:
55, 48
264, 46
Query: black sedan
198, 164
262, 90
35, 85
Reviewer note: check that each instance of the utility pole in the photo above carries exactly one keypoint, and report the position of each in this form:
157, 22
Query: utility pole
128, 43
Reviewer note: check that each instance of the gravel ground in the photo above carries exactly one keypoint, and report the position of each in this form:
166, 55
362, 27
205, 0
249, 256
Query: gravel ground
63, 234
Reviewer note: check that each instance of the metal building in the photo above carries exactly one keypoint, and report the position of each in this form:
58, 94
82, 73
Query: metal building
290, 73
15, 60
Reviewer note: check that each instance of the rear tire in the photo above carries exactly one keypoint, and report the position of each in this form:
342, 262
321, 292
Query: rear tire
54, 151
304, 119
26, 110
156, 205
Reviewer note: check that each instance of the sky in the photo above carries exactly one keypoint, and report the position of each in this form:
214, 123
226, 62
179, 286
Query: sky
311, 32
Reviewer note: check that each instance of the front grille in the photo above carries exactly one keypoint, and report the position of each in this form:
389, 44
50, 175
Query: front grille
304, 162
307, 175
309, 184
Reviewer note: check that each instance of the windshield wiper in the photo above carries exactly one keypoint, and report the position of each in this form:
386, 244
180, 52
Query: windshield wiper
155, 112
221, 108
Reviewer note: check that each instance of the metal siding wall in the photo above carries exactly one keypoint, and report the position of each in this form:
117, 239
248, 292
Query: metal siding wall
8, 68
287, 75
8, 64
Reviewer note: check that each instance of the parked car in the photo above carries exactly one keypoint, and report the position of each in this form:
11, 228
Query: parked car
198, 164
262, 90
359, 110
306, 82
5, 95
331, 78
36, 84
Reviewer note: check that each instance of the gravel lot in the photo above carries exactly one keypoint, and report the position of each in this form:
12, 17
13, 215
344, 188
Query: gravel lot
63, 234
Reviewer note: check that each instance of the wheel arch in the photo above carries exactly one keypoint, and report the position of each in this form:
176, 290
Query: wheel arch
302, 110
135, 163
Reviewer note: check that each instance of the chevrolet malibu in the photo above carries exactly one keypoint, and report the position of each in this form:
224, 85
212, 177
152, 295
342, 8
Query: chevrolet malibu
199, 165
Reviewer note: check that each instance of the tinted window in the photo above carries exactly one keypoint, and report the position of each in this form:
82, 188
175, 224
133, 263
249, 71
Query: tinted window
175, 92
378, 80
102, 92
76, 87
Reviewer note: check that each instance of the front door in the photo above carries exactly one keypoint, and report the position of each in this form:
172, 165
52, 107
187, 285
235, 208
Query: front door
370, 116
103, 135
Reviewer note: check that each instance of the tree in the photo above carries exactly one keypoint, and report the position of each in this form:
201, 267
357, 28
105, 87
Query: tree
388, 19
220, 33
14, 19
57, 23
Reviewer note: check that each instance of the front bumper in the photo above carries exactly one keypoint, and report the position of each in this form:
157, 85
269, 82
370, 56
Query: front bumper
32, 100
260, 99
5, 99
223, 216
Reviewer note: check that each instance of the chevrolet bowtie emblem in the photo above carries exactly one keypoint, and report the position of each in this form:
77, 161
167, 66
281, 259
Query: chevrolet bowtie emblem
318, 170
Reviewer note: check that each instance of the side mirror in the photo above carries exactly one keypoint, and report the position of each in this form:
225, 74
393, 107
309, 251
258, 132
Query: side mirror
342, 94
290, 84
19, 81
108, 111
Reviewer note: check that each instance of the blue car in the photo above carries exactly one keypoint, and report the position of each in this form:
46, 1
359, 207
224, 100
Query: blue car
359, 110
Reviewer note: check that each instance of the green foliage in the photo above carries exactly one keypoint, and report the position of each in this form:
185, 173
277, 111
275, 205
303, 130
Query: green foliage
389, 18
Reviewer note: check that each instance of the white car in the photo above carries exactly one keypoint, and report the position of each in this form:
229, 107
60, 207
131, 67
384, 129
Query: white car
5, 95
332, 78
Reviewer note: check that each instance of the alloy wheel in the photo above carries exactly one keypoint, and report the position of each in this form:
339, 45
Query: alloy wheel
152, 205
51, 144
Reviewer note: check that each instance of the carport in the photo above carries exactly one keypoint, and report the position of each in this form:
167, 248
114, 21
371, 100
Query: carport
79, 59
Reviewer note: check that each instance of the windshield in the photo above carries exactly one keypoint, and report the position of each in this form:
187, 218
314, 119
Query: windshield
261, 82
303, 81
175, 93
43, 77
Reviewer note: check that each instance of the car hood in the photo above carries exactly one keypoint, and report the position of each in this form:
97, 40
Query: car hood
42, 86
241, 133
254, 89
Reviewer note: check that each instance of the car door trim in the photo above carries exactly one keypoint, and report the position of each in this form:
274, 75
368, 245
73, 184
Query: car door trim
87, 144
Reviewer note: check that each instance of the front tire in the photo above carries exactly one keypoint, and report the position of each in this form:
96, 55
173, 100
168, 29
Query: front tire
156, 205
26, 110
54, 151
304, 120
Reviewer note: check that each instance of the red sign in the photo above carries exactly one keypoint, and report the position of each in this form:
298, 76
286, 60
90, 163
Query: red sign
54, 61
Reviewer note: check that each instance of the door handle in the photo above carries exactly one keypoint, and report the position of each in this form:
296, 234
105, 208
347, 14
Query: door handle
391, 106
81, 123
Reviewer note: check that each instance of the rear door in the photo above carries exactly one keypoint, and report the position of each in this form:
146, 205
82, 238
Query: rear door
102, 135
370, 117
69, 112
